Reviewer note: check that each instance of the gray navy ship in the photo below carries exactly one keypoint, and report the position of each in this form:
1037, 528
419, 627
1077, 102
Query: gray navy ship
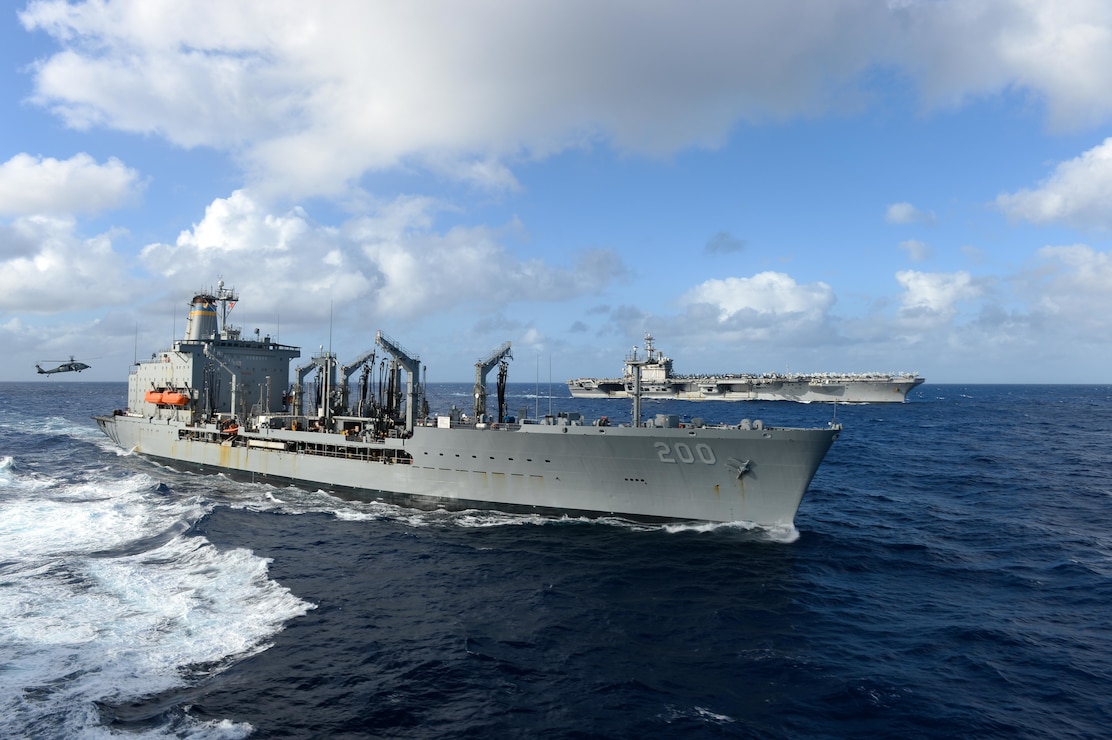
217, 401
659, 382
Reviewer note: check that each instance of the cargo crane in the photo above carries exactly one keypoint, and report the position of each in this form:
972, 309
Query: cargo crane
482, 367
213, 355
412, 365
326, 362
346, 371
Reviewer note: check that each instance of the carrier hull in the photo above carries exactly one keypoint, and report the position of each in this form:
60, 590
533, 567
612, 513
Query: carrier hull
802, 390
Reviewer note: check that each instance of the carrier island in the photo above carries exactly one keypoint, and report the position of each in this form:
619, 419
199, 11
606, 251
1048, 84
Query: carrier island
219, 401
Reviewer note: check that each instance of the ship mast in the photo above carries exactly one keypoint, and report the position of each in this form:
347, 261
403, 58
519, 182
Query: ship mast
634, 364
225, 296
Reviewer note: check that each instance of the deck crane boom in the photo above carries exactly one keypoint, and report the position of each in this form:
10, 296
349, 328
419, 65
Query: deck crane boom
346, 371
482, 367
213, 355
324, 362
412, 365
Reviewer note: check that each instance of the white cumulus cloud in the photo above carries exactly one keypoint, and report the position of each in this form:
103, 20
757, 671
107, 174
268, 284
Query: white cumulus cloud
933, 297
1055, 53
312, 96
905, 213
54, 270
43, 185
1078, 193
765, 297
1076, 289
390, 263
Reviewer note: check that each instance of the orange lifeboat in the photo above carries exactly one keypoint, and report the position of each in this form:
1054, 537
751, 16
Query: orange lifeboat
175, 398
153, 397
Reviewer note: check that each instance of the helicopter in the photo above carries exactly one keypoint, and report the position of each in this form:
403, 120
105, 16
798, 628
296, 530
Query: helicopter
66, 367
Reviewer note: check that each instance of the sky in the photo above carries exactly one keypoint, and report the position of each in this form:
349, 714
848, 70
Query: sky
814, 185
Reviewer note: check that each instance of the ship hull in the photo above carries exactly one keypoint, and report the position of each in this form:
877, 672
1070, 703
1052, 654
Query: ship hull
704, 474
805, 390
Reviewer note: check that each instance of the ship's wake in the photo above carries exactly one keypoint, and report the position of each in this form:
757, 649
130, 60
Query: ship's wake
107, 596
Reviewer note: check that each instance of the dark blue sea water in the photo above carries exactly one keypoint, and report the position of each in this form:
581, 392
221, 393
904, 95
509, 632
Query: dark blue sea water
950, 574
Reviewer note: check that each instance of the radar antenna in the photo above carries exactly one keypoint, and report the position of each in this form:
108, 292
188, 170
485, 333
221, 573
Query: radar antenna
227, 298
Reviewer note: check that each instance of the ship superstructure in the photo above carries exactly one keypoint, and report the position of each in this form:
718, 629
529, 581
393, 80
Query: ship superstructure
220, 403
659, 382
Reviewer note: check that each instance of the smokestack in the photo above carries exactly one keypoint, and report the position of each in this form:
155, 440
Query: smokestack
202, 318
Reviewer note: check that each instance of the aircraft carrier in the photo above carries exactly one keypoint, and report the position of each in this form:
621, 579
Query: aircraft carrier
217, 401
659, 382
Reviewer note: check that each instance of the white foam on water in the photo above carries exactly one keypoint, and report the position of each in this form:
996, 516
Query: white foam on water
483, 518
13, 483
713, 717
103, 598
377, 511
52, 426
479, 518
783, 533
700, 715
43, 516
486, 518
468, 518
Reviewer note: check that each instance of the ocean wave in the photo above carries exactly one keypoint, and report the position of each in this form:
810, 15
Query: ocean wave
107, 595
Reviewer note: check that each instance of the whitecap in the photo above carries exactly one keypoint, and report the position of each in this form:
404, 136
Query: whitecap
81, 630
782, 533
105, 597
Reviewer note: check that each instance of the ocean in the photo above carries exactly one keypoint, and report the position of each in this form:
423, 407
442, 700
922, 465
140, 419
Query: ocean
949, 575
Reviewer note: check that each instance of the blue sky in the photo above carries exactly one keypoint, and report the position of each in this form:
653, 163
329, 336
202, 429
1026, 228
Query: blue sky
816, 186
